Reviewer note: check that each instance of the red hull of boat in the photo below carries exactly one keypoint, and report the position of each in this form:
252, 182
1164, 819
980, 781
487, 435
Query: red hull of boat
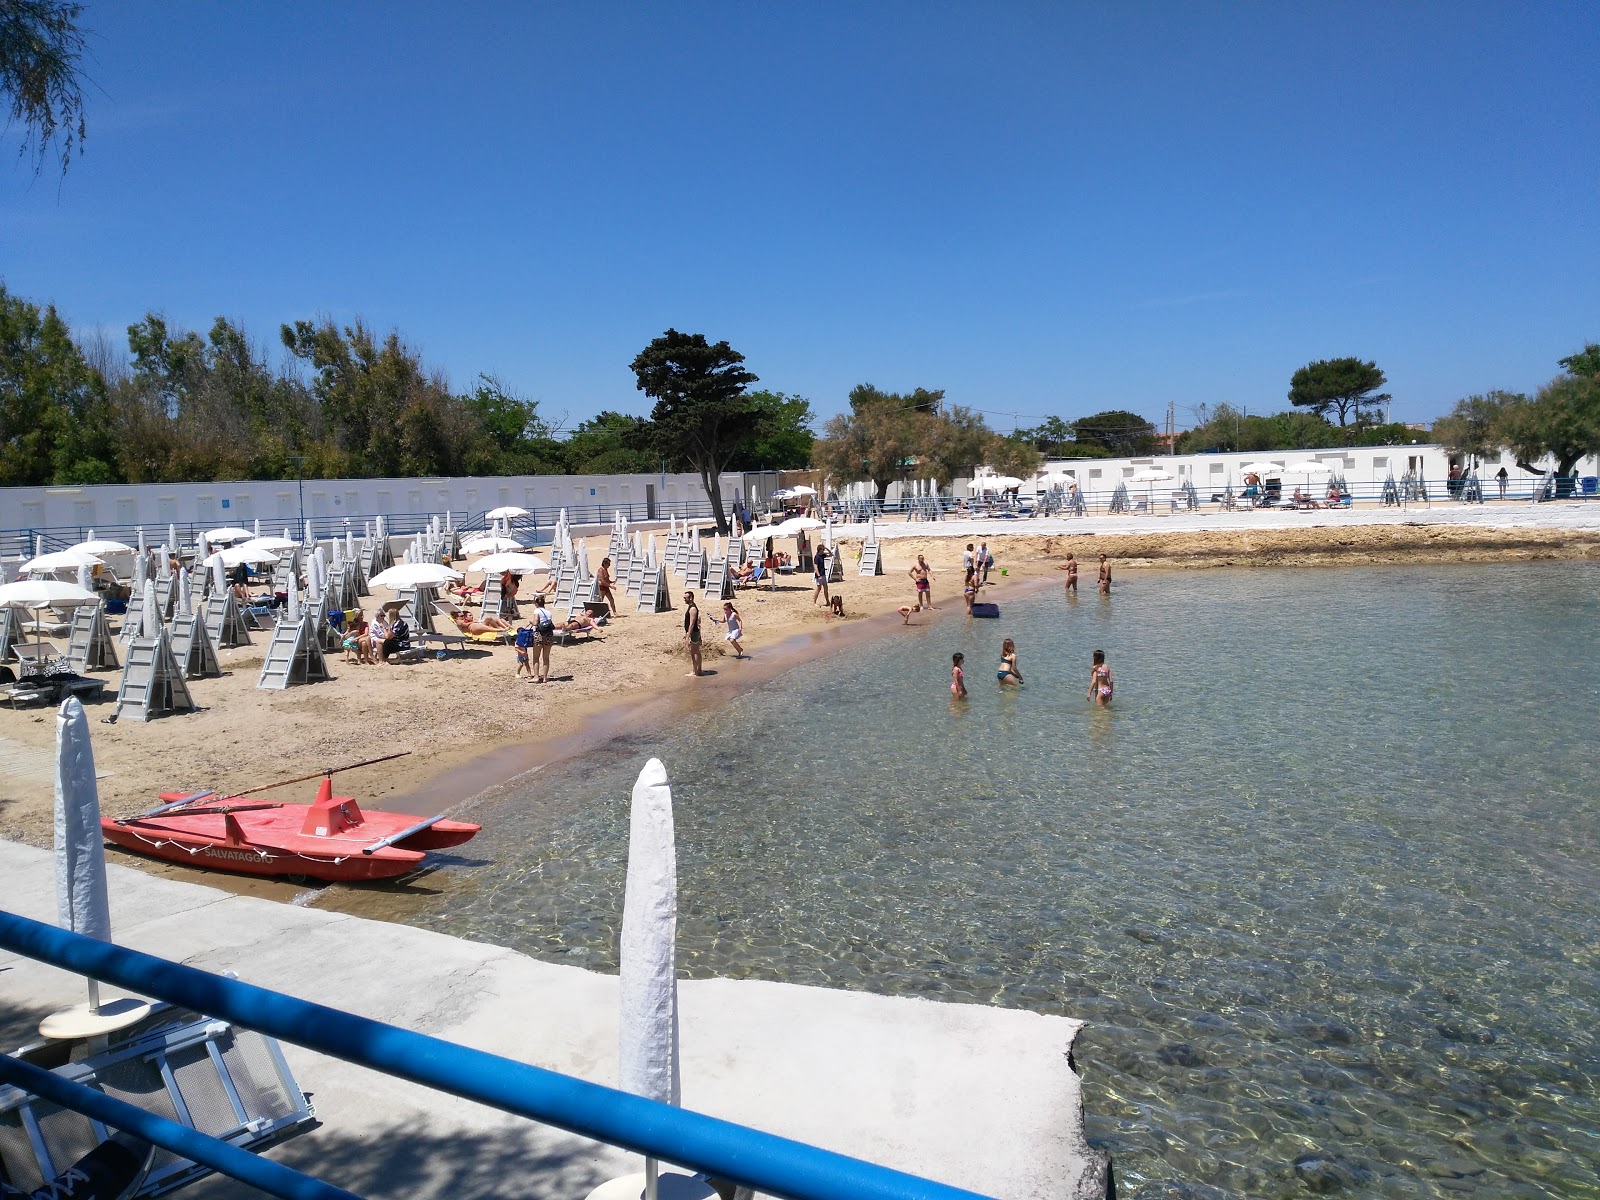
328, 840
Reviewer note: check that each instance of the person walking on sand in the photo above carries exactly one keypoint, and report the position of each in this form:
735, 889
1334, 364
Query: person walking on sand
968, 558
1100, 680
603, 584
985, 562
1105, 576
1007, 671
923, 578
958, 677
1071, 568
819, 576
691, 631
735, 623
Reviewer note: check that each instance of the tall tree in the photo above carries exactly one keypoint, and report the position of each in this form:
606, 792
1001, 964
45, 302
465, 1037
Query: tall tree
1015, 455
1473, 427
1562, 420
54, 417
703, 414
612, 443
1346, 385
879, 438
784, 441
1125, 434
41, 51
1585, 362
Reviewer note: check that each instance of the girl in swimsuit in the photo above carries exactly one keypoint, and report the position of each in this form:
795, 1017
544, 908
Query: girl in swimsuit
1007, 672
731, 618
1100, 680
970, 591
958, 677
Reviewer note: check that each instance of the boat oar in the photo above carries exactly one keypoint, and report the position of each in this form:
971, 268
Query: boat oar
220, 810
192, 798
266, 787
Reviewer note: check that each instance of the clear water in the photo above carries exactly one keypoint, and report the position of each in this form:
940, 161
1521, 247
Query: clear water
1323, 881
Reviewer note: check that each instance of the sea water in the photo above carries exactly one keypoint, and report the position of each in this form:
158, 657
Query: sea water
1323, 880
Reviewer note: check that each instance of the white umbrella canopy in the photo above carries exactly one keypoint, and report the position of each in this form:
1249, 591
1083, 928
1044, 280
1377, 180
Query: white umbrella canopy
232, 556
406, 575
1151, 475
102, 546
273, 545
796, 524
508, 560
59, 560
1309, 467
229, 533
1056, 479
505, 512
44, 593
489, 543
801, 489
1264, 469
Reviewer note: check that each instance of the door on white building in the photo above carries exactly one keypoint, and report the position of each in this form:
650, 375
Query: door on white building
127, 512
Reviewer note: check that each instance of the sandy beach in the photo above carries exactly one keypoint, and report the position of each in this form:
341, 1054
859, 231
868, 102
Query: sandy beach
469, 723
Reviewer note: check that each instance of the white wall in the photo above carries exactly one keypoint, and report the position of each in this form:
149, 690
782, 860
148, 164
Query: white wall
278, 502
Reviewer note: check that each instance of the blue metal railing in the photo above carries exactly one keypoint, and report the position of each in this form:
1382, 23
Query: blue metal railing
763, 1161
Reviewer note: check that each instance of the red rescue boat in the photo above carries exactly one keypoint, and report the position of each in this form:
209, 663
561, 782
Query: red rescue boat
331, 839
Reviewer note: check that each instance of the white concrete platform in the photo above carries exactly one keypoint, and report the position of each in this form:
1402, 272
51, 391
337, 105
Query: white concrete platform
982, 1098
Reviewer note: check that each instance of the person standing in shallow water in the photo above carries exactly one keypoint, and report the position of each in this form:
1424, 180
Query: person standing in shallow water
1100, 680
691, 631
1105, 576
1071, 568
958, 677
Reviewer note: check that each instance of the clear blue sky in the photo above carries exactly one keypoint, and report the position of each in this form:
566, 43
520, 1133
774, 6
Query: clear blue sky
1043, 209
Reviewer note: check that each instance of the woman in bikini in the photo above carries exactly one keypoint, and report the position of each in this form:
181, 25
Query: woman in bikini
958, 677
1071, 568
1100, 680
603, 583
1007, 671
969, 590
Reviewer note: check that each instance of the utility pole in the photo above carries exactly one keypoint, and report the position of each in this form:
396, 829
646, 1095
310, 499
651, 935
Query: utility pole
299, 484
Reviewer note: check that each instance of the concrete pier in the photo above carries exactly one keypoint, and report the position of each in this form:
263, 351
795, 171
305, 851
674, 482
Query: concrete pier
982, 1098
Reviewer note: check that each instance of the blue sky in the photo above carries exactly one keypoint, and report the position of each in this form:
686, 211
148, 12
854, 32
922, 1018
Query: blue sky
1043, 209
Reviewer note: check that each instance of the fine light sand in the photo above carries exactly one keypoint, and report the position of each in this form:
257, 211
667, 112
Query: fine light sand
470, 723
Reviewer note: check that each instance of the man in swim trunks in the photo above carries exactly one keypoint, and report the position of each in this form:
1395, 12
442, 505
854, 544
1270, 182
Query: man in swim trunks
1071, 568
1105, 576
923, 578
691, 630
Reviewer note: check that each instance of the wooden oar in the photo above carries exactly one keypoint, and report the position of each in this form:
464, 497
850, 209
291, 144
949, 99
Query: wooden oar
166, 808
266, 787
206, 812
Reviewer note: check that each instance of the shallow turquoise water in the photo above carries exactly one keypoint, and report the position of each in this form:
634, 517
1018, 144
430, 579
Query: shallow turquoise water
1323, 882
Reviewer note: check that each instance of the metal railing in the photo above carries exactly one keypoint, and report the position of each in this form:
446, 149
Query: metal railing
774, 1165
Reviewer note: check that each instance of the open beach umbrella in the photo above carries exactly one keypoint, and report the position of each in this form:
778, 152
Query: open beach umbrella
409, 575
35, 594
232, 556
273, 545
801, 489
508, 560
59, 560
229, 533
1056, 480
1264, 469
100, 547
489, 543
505, 512
647, 983
1308, 468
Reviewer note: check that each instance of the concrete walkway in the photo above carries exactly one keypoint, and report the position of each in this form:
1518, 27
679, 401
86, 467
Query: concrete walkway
979, 1097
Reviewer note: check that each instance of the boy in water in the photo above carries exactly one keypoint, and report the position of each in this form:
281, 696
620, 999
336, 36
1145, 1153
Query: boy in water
958, 677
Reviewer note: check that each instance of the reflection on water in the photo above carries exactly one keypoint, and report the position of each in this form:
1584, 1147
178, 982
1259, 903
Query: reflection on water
1323, 881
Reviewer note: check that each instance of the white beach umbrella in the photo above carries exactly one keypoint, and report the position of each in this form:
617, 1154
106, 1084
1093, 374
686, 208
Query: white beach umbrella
232, 556
1056, 479
647, 984
226, 533
86, 577
796, 524
505, 512
141, 569
583, 561
185, 595
407, 575
489, 543
1308, 468
760, 533
102, 547
319, 569
273, 545
219, 578
59, 560
310, 537
172, 539
1150, 475
34, 594
508, 560
255, 527
1264, 469
293, 606
801, 489
202, 548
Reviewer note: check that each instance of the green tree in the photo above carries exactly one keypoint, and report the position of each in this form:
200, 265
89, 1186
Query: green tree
879, 438
1473, 426
952, 441
1562, 420
1121, 433
1585, 363
702, 415
516, 440
54, 415
784, 440
1052, 437
1015, 455
41, 51
612, 443
1345, 385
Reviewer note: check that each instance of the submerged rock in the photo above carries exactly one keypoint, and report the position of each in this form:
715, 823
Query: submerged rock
1326, 1173
1181, 1054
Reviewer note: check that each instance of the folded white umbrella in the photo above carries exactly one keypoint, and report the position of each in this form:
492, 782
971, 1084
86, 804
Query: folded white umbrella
409, 575
508, 560
59, 560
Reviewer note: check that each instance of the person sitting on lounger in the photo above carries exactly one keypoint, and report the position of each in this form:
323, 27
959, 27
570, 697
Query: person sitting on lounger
744, 574
474, 626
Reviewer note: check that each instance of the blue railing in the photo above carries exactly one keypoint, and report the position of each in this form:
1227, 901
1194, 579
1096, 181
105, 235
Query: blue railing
763, 1161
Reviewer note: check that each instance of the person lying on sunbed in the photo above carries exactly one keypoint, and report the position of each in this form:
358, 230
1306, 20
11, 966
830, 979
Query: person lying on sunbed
474, 626
583, 622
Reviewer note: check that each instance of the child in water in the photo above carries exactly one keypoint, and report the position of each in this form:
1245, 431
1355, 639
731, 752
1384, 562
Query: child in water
1100, 680
958, 678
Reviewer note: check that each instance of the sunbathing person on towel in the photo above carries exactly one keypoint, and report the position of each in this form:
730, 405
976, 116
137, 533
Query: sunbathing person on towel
469, 624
